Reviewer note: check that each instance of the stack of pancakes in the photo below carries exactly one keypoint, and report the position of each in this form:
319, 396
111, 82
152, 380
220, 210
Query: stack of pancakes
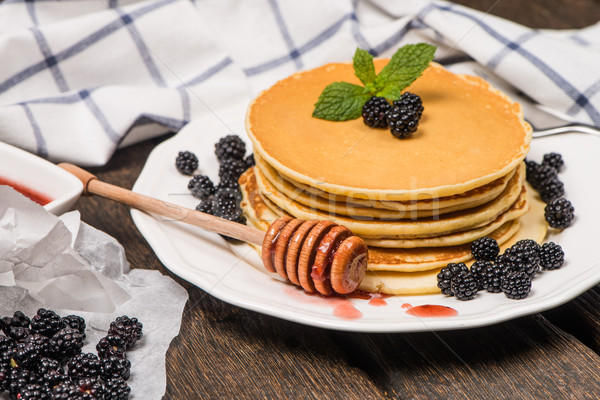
417, 202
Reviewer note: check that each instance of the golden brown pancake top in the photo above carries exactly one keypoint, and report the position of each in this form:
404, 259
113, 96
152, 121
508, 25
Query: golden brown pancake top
469, 134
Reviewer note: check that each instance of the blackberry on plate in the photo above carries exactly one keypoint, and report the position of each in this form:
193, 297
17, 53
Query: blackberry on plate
230, 147
46, 322
84, 365
111, 345
402, 122
485, 249
552, 256
516, 285
559, 214
249, 161
464, 286
206, 206
553, 160
478, 269
90, 387
541, 175
522, 256
231, 169
444, 277
116, 389
493, 276
186, 162
374, 112
201, 186
69, 342
115, 367
410, 101
33, 391
128, 329
226, 201
551, 190
76, 322
530, 171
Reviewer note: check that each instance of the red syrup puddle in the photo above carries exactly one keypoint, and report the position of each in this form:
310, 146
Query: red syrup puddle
30, 193
432, 310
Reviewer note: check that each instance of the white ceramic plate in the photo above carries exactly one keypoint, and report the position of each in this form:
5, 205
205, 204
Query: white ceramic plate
43, 177
235, 274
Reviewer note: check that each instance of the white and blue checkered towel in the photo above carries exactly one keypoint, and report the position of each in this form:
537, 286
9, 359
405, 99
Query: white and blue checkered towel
78, 79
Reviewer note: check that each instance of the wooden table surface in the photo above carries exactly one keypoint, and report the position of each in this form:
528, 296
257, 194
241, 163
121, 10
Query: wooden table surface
227, 352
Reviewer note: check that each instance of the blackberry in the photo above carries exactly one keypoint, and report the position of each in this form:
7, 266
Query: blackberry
75, 322
228, 182
478, 269
27, 355
412, 102
444, 277
551, 190
111, 345
18, 378
374, 112
552, 256
128, 329
33, 391
116, 389
559, 213
530, 171
43, 344
90, 387
230, 147
402, 122
493, 276
115, 367
206, 206
50, 372
541, 175
464, 286
226, 201
6, 344
69, 342
516, 285
84, 365
186, 162
485, 249
201, 186
66, 391
249, 161
46, 322
553, 160
18, 332
231, 169
18, 320
522, 256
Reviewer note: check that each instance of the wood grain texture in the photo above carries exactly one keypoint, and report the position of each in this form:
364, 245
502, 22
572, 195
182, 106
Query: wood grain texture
226, 352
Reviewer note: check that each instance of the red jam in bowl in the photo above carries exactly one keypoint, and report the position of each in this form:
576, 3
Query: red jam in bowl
39, 198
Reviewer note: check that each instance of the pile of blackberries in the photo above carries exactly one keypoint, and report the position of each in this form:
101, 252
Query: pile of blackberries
223, 200
401, 117
559, 211
510, 272
41, 358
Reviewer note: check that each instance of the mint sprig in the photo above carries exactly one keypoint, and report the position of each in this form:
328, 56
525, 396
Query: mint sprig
341, 101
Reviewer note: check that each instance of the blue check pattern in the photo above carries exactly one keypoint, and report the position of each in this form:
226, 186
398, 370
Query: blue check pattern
83, 81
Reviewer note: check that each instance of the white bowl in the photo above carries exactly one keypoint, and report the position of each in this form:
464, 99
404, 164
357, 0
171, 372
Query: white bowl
32, 173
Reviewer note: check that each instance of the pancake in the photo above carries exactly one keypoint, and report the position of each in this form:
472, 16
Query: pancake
405, 229
470, 134
423, 207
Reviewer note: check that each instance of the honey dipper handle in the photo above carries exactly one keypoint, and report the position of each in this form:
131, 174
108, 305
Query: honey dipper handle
91, 185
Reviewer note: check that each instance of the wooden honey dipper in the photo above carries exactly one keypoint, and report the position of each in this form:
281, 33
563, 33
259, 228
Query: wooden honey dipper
318, 256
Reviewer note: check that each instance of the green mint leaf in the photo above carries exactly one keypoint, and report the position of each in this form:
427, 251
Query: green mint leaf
341, 101
364, 69
404, 67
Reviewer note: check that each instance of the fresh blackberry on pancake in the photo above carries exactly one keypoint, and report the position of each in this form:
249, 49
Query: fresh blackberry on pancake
551, 190
84, 365
116, 389
69, 342
493, 276
231, 169
201, 186
402, 122
444, 277
560, 213
464, 286
485, 249
46, 322
553, 160
128, 329
249, 161
374, 112
230, 147
522, 256
186, 162
410, 101
76, 322
516, 284
552, 256
478, 270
